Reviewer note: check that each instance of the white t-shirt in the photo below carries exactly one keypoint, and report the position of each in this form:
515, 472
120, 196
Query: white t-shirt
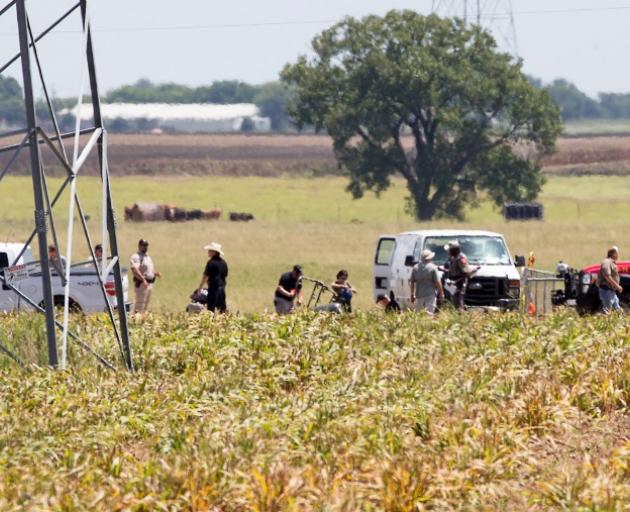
144, 264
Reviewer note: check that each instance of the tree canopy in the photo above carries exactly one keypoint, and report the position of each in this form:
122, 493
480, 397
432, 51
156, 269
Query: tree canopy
475, 121
11, 104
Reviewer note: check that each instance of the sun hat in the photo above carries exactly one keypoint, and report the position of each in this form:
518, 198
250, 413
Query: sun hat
427, 255
453, 244
214, 247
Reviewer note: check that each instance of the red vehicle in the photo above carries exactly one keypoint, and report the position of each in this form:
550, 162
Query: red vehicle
580, 287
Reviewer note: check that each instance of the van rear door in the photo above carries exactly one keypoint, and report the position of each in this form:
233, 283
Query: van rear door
385, 249
401, 274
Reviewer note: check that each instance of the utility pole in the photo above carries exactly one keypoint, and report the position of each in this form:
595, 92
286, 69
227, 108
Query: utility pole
45, 131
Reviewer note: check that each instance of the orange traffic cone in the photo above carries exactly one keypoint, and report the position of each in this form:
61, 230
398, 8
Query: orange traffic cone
531, 309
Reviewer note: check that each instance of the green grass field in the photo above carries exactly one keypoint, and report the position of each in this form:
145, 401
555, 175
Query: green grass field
360, 412
315, 222
597, 126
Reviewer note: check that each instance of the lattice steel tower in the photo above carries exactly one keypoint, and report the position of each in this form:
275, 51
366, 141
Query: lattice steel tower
41, 133
495, 15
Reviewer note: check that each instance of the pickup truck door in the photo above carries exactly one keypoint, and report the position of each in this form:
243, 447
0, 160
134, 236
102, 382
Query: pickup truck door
8, 298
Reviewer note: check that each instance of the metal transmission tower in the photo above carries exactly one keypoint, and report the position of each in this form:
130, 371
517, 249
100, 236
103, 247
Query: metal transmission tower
36, 138
495, 15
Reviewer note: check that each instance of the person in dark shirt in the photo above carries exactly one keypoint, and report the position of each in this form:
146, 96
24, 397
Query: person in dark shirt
288, 290
215, 275
388, 302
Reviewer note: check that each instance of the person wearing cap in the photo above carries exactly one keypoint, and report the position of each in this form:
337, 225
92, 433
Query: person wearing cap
426, 287
608, 281
215, 276
288, 290
144, 275
458, 271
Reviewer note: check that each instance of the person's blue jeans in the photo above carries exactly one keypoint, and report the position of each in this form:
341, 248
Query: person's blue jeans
610, 301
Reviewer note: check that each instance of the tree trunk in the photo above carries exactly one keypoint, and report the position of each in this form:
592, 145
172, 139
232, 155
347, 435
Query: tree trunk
423, 208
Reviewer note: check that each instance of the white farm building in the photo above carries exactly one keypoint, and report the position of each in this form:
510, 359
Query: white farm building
181, 117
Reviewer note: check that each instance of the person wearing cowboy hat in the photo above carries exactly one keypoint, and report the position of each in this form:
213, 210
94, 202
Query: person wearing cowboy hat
426, 286
459, 271
215, 276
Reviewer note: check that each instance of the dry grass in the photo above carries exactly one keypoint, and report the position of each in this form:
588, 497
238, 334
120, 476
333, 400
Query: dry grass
363, 412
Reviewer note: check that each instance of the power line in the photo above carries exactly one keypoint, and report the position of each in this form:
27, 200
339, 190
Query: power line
195, 27
496, 15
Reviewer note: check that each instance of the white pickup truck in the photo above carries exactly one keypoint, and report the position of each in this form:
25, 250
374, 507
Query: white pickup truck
495, 284
85, 292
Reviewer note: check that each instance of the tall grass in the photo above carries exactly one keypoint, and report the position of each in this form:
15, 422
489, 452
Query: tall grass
361, 412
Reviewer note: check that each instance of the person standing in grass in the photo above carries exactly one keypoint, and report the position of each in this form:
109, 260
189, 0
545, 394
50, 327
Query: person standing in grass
215, 275
57, 263
608, 281
288, 290
343, 291
144, 275
426, 287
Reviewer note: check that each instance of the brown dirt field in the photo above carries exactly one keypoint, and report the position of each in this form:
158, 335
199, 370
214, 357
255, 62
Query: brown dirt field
277, 155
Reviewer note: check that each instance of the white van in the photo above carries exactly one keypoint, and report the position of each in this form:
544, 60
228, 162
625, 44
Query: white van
85, 290
496, 284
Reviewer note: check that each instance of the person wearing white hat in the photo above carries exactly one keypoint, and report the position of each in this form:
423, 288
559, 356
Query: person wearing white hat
458, 271
426, 286
608, 281
215, 275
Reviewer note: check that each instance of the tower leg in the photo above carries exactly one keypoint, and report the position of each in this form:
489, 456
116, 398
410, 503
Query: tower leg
111, 221
36, 174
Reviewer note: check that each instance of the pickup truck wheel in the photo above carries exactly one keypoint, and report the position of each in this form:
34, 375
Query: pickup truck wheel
74, 306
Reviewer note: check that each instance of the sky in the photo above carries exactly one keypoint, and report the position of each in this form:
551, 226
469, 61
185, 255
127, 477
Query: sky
195, 42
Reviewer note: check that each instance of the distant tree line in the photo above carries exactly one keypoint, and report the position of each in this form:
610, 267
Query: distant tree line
574, 104
272, 98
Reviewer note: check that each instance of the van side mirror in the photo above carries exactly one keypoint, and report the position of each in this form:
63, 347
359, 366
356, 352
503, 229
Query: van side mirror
409, 262
519, 261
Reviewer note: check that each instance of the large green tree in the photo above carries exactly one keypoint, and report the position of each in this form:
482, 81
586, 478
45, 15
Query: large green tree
474, 120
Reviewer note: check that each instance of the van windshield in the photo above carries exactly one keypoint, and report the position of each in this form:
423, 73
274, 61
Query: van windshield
480, 250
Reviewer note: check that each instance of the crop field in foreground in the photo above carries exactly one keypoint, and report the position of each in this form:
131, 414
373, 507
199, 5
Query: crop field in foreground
360, 412
314, 222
